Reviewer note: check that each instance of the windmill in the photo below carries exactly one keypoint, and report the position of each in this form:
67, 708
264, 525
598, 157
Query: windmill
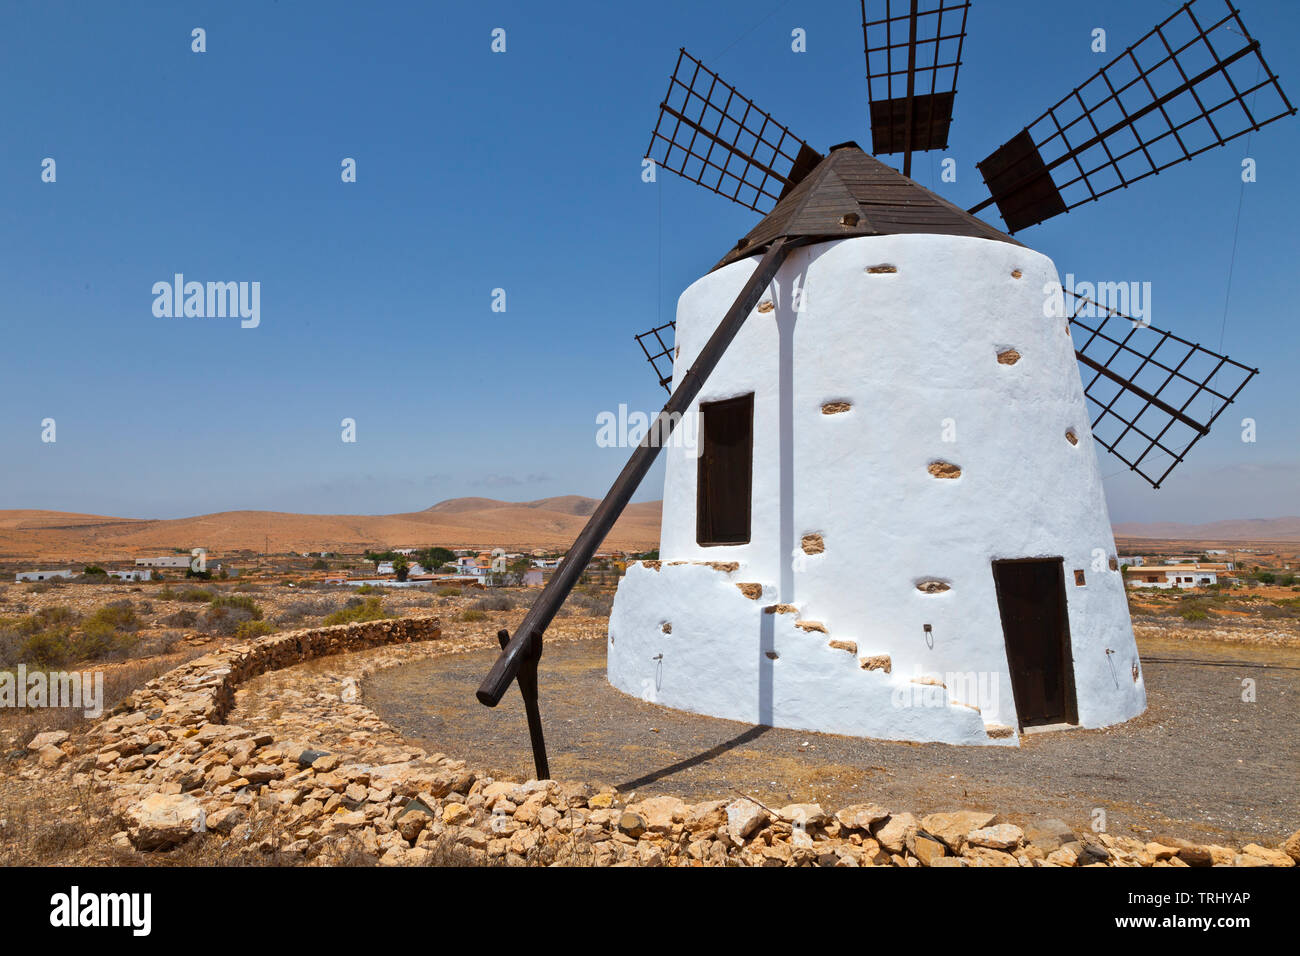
900, 384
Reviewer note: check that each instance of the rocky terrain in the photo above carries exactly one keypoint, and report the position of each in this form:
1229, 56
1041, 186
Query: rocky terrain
262, 752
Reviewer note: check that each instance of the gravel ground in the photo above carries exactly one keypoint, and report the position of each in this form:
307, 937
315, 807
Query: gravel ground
1200, 763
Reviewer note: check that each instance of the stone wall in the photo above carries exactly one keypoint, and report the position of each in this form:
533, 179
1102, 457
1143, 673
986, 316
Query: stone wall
304, 773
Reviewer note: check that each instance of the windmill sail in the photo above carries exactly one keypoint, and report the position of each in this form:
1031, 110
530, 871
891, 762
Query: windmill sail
712, 135
1196, 81
659, 353
913, 50
1153, 394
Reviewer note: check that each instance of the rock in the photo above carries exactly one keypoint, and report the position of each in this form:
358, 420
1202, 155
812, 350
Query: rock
50, 738
308, 758
226, 819
454, 814
805, 815
601, 801
951, 828
1158, 851
927, 850
983, 856
861, 816
1270, 857
702, 817
1048, 835
410, 823
1004, 836
633, 824
660, 813
261, 773
49, 755
1064, 856
472, 838
1194, 854
744, 819
1292, 846
326, 764
162, 820
895, 833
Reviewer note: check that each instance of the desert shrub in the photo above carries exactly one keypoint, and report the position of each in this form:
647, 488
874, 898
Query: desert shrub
48, 617
357, 609
223, 620
182, 618
1280, 610
251, 629
97, 638
198, 595
370, 589
47, 648
167, 593
118, 616
40, 587
494, 602
238, 602
594, 605
449, 592
296, 611
473, 615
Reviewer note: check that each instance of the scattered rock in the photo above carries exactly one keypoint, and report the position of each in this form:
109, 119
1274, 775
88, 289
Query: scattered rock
160, 821
744, 819
951, 828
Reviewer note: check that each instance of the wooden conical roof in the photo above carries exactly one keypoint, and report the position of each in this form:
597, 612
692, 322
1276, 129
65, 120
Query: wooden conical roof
852, 194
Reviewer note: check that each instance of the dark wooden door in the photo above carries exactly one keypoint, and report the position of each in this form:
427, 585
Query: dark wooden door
1031, 600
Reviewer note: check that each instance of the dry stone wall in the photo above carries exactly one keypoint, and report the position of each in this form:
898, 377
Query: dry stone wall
283, 763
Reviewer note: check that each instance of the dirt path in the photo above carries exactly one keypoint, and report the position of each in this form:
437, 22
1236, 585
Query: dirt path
1200, 763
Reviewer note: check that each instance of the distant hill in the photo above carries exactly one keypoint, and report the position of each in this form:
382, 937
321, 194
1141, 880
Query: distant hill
1237, 529
459, 522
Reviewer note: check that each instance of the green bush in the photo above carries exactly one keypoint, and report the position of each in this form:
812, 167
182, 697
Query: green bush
449, 592
47, 618
473, 615
196, 594
251, 629
118, 616
356, 610
97, 638
47, 648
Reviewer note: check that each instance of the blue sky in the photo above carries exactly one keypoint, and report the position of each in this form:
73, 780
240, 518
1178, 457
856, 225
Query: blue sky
519, 171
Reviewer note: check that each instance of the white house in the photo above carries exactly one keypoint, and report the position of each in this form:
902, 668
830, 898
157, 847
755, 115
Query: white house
909, 392
1173, 576
136, 574
44, 575
165, 561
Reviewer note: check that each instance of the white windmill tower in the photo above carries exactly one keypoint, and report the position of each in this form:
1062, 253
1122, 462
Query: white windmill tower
892, 523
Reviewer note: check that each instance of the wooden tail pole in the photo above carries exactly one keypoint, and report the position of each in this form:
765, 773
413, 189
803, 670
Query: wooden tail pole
520, 654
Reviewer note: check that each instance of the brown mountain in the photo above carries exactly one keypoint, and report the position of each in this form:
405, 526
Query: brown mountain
459, 522
1237, 529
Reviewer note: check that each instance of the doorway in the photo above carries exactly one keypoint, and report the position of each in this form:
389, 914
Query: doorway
1031, 601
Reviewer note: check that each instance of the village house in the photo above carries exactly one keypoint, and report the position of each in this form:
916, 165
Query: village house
132, 574
44, 575
1174, 576
166, 561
